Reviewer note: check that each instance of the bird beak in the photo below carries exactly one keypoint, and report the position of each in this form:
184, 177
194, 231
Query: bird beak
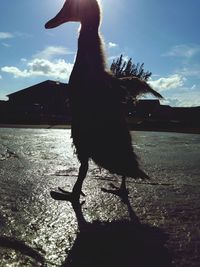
63, 16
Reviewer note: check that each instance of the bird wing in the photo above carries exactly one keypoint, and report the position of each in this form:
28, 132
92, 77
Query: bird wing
136, 87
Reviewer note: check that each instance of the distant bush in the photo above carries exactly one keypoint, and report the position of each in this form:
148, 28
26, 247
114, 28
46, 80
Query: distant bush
122, 68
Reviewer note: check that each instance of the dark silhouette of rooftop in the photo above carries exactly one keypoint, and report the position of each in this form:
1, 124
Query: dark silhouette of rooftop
48, 103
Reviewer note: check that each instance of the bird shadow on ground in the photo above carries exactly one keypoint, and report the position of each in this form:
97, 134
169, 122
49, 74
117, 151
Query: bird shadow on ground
117, 243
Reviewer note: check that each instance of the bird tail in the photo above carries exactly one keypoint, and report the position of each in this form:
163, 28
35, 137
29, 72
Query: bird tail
136, 87
149, 90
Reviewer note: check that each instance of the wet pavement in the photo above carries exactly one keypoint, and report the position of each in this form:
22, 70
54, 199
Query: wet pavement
160, 224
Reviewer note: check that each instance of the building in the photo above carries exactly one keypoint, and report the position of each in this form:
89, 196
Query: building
46, 102
145, 108
50, 95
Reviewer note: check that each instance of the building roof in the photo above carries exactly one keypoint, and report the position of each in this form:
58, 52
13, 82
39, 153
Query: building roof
48, 84
149, 101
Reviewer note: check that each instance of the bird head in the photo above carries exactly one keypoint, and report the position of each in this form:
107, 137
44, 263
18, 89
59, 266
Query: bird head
83, 11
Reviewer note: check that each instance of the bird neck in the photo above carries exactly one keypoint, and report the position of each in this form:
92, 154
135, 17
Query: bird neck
90, 62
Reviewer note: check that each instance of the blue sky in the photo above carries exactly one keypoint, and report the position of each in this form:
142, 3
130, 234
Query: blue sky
162, 34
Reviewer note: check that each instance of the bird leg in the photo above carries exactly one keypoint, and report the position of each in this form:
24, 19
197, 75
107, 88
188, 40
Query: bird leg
81, 176
73, 196
122, 191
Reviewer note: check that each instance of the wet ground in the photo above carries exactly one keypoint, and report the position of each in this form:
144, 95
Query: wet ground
160, 224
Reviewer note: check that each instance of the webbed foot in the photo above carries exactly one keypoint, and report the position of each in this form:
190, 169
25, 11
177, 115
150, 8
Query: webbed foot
67, 192
121, 192
64, 195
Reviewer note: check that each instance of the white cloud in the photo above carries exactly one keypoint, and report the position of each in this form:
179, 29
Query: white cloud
23, 35
0, 77
23, 60
112, 45
6, 35
187, 96
183, 50
58, 69
6, 45
190, 100
44, 64
187, 99
193, 87
15, 71
52, 51
167, 83
192, 71
173, 102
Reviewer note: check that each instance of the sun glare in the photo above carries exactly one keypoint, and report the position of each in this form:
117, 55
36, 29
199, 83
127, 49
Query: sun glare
55, 5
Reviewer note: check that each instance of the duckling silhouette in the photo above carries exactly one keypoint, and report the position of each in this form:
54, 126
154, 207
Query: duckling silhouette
99, 130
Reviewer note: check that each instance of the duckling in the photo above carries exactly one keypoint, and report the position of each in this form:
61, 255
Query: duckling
99, 130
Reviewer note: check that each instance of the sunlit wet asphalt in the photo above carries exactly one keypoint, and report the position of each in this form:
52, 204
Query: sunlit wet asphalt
35, 161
